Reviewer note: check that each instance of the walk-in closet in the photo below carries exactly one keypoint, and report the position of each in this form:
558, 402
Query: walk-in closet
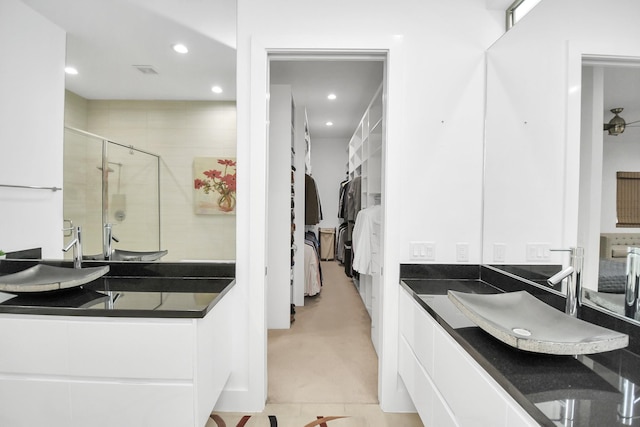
325, 185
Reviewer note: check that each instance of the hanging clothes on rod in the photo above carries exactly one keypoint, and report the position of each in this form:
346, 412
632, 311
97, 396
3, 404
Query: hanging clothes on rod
366, 239
354, 202
342, 199
312, 268
340, 241
312, 206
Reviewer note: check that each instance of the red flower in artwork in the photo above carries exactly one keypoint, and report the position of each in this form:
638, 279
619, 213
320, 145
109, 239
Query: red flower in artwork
214, 173
222, 182
198, 183
230, 181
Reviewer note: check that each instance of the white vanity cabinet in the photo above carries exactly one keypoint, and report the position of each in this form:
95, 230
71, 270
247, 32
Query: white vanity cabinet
447, 386
78, 371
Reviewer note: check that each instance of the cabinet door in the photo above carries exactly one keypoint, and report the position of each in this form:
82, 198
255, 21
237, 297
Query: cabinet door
131, 404
415, 382
123, 348
34, 402
472, 399
34, 346
417, 327
416, 363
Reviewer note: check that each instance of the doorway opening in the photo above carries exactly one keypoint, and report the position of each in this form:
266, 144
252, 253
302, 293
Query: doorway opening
326, 120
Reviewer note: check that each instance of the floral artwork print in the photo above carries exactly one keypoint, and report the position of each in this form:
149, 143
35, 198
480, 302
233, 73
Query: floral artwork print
214, 185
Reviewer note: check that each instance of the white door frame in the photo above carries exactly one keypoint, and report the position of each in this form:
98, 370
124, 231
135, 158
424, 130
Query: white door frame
252, 144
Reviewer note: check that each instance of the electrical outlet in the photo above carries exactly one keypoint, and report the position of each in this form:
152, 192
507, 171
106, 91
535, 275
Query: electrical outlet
499, 252
462, 252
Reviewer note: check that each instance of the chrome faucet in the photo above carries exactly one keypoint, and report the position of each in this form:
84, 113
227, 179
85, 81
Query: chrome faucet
573, 274
632, 288
76, 244
107, 238
626, 409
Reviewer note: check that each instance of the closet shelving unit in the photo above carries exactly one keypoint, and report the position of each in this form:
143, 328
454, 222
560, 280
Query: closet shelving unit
285, 216
294, 247
365, 161
302, 144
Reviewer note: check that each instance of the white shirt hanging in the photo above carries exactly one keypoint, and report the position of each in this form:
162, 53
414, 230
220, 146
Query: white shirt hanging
366, 238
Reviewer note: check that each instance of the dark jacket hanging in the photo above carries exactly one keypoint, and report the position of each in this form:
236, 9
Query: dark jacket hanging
312, 208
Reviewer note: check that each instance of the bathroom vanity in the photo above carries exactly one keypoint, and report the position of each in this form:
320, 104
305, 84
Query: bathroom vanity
147, 344
458, 375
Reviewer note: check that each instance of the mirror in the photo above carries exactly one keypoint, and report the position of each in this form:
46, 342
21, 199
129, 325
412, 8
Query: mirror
605, 84
546, 155
135, 91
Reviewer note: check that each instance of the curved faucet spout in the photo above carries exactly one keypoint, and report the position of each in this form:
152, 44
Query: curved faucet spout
560, 276
573, 274
76, 244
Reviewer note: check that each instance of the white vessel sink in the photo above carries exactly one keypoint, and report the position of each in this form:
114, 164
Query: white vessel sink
522, 321
43, 278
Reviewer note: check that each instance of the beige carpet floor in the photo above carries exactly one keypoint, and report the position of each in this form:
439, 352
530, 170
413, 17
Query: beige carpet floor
327, 355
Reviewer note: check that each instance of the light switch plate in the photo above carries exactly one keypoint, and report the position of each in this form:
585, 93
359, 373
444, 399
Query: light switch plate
538, 252
422, 251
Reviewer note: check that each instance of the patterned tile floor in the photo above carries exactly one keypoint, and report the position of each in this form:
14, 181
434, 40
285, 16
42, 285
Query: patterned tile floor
302, 415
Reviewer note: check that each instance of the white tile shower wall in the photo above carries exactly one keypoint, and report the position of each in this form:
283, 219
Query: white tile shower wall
178, 131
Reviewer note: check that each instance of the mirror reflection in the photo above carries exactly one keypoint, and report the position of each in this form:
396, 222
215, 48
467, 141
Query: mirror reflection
159, 110
112, 190
612, 146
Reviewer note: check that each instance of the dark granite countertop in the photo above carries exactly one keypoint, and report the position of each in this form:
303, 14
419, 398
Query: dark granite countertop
544, 385
142, 290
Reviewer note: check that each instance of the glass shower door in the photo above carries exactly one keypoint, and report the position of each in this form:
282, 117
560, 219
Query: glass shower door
132, 198
82, 184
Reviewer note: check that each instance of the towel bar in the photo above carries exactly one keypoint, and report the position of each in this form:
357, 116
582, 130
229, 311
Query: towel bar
31, 187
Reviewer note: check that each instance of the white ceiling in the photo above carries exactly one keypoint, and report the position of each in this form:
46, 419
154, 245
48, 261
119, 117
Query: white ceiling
354, 82
107, 38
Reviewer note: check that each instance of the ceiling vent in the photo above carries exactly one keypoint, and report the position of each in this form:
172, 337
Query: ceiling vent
146, 69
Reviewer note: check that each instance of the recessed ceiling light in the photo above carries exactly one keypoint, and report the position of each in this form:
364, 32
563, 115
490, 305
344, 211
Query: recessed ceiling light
329, 123
216, 89
331, 96
180, 48
70, 70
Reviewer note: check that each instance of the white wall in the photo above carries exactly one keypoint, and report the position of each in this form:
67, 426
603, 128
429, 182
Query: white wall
329, 160
433, 185
31, 113
533, 120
